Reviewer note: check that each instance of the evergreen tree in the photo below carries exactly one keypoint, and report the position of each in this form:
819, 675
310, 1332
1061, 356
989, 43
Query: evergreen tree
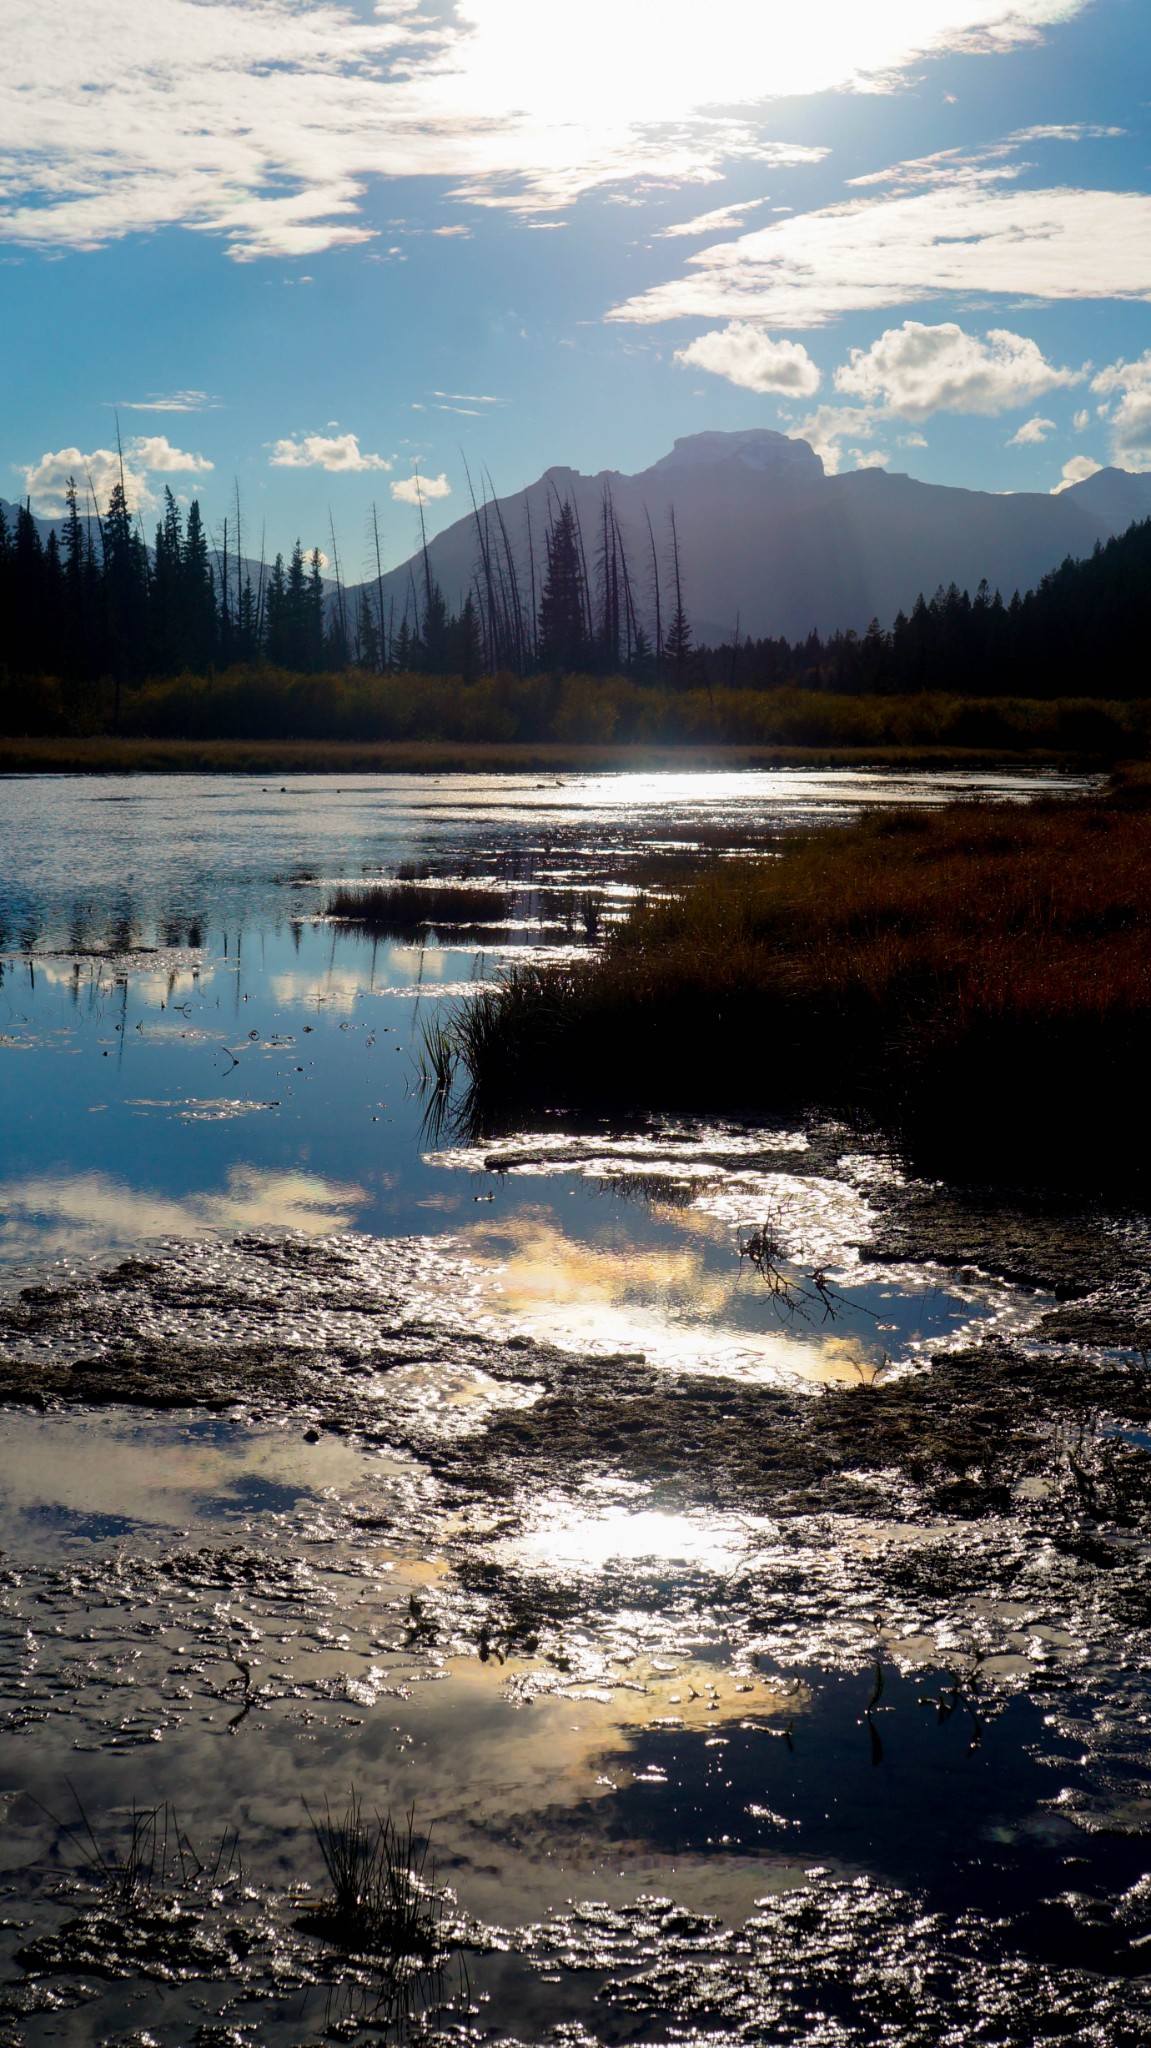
562, 638
198, 606
367, 635
469, 651
277, 637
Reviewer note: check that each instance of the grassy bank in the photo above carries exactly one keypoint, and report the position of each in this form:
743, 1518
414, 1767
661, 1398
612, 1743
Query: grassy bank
265, 716
125, 756
979, 977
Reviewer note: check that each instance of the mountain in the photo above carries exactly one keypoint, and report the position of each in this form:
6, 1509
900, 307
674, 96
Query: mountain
766, 534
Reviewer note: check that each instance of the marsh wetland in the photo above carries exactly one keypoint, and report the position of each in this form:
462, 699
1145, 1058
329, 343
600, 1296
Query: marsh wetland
569, 1579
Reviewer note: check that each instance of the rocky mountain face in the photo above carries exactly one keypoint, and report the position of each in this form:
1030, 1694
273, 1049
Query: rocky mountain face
767, 536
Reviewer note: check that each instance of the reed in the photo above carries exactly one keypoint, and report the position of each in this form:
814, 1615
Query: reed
980, 976
383, 1901
398, 909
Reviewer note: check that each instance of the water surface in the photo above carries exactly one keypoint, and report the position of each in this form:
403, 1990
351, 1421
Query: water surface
602, 1681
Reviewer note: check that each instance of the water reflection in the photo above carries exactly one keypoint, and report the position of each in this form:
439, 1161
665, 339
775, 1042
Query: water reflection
93, 1213
563, 1537
663, 1300
585, 1672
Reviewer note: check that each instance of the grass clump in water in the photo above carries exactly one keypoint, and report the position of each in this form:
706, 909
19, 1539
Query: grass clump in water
382, 1901
979, 974
399, 909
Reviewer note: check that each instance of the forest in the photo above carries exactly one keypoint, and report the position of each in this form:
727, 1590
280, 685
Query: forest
102, 631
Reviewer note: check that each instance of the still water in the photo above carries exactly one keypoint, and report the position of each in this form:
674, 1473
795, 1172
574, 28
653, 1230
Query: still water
325, 1470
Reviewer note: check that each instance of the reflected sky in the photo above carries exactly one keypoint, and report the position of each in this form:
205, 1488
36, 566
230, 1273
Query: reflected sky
260, 1068
92, 1213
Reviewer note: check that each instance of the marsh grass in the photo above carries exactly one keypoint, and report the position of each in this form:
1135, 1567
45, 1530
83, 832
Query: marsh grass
980, 974
155, 1861
383, 1900
399, 909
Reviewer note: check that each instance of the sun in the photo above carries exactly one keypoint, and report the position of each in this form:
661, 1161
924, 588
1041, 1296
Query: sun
613, 59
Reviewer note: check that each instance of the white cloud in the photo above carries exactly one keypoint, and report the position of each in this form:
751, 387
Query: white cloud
99, 470
177, 401
1067, 131
916, 370
96, 474
870, 254
1130, 420
411, 490
1076, 471
334, 452
991, 165
262, 120
1032, 433
1082, 420
155, 452
746, 355
712, 223
829, 427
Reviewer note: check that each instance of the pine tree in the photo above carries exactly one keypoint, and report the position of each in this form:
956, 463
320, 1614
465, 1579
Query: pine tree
277, 638
562, 639
198, 606
313, 651
677, 645
469, 642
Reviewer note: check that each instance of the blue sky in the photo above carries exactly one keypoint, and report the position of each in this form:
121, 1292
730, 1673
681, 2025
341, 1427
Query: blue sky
309, 249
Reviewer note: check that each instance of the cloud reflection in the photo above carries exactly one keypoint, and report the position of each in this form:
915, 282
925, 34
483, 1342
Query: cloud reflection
90, 1212
662, 1300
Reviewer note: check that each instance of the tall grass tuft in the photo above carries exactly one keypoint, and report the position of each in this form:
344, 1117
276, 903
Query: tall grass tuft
156, 1860
383, 1901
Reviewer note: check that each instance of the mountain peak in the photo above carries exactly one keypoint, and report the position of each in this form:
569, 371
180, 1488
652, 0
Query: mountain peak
757, 448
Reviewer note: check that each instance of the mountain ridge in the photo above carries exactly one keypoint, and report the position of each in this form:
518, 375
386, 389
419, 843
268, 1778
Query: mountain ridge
766, 534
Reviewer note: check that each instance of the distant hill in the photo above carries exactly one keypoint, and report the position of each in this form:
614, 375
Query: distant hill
766, 534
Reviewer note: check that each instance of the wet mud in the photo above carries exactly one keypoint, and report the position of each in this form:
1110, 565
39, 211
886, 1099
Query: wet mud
758, 1595
730, 1549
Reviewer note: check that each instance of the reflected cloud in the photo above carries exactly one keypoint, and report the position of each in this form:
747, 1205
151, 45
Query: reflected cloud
581, 1542
418, 963
336, 989
662, 1301
104, 1470
89, 1212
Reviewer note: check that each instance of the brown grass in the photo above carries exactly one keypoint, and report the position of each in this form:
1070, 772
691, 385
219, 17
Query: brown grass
126, 756
981, 974
397, 909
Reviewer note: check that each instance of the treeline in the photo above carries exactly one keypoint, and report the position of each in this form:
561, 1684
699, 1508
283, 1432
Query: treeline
578, 710
95, 600
100, 628
1085, 630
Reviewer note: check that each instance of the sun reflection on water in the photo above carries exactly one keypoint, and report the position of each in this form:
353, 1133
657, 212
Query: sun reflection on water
564, 1536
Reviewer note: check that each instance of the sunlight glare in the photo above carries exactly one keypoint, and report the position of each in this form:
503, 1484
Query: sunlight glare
590, 1542
614, 59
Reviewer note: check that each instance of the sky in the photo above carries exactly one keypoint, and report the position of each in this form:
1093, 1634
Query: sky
336, 256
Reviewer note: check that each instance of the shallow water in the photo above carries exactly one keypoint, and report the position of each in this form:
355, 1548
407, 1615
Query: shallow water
285, 1522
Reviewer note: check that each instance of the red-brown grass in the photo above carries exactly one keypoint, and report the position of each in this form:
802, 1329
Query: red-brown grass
981, 974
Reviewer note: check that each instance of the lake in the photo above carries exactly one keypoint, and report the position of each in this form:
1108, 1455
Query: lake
525, 1481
